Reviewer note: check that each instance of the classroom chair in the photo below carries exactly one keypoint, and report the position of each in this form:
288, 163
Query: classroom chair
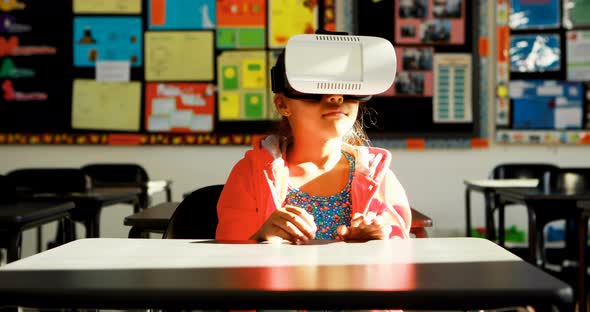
125, 175
121, 175
7, 195
30, 182
540, 171
196, 216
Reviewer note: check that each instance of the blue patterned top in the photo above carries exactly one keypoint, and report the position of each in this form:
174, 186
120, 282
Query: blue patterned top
329, 211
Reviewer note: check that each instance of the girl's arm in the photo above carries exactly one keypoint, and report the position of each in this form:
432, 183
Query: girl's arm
397, 206
236, 208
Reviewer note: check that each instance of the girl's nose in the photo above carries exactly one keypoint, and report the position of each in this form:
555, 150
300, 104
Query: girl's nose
335, 99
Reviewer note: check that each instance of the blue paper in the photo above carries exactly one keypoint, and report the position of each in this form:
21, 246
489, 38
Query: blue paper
107, 39
535, 14
546, 104
535, 53
186, 14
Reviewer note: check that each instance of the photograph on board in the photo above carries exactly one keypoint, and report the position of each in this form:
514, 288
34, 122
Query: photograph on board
413, 8
409, 83
417, 59
447, 8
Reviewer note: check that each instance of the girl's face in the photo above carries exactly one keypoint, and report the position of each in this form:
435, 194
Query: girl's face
328, 118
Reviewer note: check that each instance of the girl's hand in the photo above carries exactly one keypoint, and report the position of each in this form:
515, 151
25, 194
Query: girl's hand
369, 226
288, 223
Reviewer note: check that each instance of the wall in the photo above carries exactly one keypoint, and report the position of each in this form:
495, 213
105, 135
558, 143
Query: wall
433, 178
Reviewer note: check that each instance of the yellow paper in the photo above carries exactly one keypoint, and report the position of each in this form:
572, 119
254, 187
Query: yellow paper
229, 106
179, 56
288, 18
106, 105
107, 6
254, 73
242, 76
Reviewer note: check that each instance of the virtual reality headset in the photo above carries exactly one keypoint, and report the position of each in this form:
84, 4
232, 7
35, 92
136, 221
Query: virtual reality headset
355, 66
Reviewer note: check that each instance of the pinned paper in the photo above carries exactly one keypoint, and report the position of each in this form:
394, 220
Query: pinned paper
430, 22
106, 106
107, 6
109, 71
546, 104
290, 17
243, 85
229, 106
107, 39
180, 107
241, 24
181, 14
452, 88
179, 56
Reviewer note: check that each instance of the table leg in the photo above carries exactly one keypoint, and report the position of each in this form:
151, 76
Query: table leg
39, 238
533, 239
501, 223
467, 212
489, 216
136, 232
92, 223
168, 193
583, 232
14, 243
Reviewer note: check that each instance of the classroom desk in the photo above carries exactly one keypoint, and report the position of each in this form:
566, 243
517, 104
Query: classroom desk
584, 214
89, 204
155, 219
433, 273
543, 207
489, 188
19, 216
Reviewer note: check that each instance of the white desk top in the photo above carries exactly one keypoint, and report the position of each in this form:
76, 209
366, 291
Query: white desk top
113, 253
504, 183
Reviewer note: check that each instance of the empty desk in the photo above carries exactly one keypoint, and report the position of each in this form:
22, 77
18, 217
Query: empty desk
433, 273
19, 216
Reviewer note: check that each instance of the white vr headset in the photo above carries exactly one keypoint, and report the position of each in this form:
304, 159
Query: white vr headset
354, 66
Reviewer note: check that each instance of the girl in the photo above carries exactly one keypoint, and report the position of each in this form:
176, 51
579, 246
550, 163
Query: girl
314, 179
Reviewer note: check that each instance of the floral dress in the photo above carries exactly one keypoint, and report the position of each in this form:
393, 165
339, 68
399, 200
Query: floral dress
330, 211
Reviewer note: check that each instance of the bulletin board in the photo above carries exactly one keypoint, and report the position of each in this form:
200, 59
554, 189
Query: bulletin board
196, 71
433, 100
542, 94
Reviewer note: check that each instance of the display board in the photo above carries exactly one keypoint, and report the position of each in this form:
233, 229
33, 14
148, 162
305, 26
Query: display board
542, 94
196, 71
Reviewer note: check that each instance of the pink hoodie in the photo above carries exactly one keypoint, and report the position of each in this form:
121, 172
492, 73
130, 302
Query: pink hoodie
257, 186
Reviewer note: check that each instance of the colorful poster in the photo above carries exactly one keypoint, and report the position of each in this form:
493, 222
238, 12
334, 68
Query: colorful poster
181, 14
242, 85
575, 13
179, 56
535, 53
546, 104
535, 14
290, 17
414, 72
430, 22
578, 59
241, 24
106, 105
107, 6
107, 39
180, 107
452, 88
